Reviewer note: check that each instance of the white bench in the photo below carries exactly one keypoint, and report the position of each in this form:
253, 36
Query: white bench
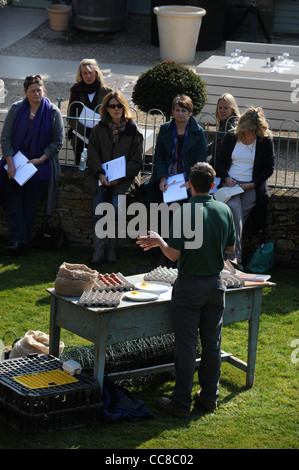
148, 136
260, 50
3, 92
253, 85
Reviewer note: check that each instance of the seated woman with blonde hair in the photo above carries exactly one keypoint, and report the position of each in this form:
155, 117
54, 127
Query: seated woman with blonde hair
227, 114
247, 160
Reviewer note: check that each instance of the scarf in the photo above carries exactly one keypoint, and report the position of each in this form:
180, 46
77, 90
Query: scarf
172, 169
117, 128
31, 138
82, 87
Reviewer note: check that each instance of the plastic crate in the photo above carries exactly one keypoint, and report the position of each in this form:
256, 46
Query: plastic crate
61, 404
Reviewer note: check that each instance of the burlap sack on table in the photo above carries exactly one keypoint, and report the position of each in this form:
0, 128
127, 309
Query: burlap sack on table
33, 342
73, 279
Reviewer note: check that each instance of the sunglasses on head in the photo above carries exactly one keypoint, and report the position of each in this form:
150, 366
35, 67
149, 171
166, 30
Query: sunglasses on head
31, 78
113, 106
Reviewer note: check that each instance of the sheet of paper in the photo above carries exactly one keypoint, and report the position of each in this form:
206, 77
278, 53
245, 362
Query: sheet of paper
253, 277
224, 194
85, 139
115, 169
24, 170
89, 117
173, 192
217, 182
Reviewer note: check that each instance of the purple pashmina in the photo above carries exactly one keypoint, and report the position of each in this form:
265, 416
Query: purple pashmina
31, 138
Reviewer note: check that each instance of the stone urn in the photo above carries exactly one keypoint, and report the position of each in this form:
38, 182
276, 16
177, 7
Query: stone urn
178, 28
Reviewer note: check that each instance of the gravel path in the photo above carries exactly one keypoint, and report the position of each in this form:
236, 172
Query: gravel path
131, 46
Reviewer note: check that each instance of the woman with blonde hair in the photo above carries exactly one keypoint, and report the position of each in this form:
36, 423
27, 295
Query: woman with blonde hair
89, 91
247, 160
114, 136
226, 109
227, 114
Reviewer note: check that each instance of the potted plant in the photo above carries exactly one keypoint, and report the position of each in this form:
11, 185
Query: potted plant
59, 15
159, 85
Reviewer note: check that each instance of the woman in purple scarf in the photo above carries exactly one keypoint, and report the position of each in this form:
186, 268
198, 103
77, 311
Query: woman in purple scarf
34, 127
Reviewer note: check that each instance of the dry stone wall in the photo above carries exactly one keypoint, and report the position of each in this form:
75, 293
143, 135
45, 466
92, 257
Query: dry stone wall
75, 209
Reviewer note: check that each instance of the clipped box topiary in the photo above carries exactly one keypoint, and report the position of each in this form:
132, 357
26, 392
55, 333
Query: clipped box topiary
158, 86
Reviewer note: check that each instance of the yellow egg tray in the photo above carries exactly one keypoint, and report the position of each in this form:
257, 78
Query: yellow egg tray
45, 379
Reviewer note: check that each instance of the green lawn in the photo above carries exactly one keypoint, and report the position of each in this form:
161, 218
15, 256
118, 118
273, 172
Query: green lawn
263, 417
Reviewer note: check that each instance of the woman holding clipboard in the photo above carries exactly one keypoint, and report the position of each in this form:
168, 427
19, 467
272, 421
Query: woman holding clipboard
116, 135
180, 144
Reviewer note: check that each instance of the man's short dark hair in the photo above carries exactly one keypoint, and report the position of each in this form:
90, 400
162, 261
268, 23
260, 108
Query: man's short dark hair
202, 176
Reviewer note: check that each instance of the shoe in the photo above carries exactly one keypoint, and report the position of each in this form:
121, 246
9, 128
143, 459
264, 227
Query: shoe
167, 405
111, 251
16, 249
209, 406
98, 252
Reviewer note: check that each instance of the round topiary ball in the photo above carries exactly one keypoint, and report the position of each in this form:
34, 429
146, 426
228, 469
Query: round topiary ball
158, 86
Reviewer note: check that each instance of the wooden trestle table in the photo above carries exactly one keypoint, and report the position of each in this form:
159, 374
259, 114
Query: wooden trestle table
131, 320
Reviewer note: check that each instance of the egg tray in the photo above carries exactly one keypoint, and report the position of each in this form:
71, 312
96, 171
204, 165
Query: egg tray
230, 277
162, 274
100, 298
112, 282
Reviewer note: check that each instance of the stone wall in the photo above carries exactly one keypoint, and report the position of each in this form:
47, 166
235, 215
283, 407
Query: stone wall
75, 209
282, 226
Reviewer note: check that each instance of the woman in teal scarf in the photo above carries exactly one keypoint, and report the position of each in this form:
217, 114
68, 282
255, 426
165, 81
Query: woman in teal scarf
180, 144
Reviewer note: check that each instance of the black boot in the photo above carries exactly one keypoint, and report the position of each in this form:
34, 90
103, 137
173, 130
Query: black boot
111, 251
98, 251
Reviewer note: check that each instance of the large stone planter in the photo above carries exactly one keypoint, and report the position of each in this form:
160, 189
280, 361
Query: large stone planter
59, 15
178, 27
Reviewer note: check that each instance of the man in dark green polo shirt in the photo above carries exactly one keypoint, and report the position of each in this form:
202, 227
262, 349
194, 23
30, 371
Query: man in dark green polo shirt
201, 232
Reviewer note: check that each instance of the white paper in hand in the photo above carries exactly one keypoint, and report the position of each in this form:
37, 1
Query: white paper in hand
224, 194
174, 192
24, 170
115, 169
89, 117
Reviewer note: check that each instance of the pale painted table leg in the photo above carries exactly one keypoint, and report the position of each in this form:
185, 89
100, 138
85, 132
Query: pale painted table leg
100, 350
253, 337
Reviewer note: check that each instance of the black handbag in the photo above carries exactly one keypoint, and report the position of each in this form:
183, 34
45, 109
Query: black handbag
51, 236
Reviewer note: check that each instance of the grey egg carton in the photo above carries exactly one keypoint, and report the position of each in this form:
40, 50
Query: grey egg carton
230, 277
100, 298
112, 282
162, 274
